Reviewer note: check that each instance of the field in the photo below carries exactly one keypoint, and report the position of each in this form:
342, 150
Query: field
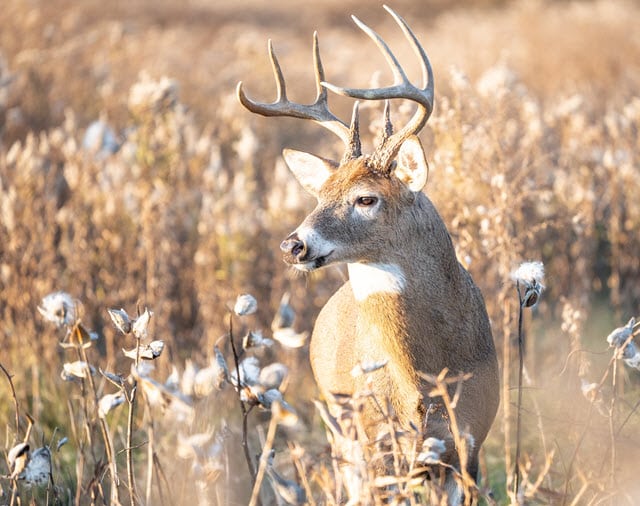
130, 177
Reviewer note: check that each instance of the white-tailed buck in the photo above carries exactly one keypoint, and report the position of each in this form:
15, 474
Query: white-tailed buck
408, 300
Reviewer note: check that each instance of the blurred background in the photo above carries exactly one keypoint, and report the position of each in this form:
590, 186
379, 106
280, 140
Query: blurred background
130, 176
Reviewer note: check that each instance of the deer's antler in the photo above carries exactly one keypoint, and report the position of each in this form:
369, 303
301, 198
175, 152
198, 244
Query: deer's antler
318, 111
402, 88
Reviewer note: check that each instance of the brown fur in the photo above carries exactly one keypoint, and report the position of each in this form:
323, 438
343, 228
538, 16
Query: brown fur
439, 321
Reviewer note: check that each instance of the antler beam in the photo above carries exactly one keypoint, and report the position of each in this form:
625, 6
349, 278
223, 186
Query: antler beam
318, 111
402, 88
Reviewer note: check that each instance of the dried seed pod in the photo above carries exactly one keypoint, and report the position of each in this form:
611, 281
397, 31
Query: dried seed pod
140, 326
109, 402
289, 338
17, 459
121, 320
149, 351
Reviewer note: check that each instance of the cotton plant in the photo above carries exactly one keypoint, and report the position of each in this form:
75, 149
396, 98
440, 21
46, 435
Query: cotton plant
32, 467
64, 312
431, 451
529, 279
282, 326
61, 309
621, 340
256, 385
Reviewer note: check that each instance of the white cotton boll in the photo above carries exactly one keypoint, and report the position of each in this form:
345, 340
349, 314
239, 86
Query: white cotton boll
78, 369
254, 339
38, 470
432, 449
249, 372
529, 272
620, 335
17, 458
273, 375
140, 326
149, 351
530, 275
367, 367
289, 338
109, 402
58, 308
120, 319
245, 305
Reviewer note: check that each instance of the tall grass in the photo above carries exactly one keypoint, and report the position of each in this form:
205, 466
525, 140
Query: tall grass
533, 154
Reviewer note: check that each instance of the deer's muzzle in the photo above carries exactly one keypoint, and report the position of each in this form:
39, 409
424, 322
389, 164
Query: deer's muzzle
294, 249
305, 255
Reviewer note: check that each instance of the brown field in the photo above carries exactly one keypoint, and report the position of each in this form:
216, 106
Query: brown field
534, 151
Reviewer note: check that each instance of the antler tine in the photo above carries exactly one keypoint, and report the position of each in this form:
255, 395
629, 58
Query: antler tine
425, 64
388, 126
402, 88
354, 149
318, 111
319, 70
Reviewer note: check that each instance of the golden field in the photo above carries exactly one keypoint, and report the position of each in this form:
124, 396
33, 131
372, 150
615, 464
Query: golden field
534, 153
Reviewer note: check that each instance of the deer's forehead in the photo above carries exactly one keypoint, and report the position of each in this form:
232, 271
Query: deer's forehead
353, 179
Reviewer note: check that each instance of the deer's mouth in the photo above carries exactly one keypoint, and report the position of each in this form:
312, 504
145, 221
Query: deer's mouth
312, 264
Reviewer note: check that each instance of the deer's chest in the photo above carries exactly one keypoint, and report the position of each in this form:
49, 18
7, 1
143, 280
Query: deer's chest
348, 342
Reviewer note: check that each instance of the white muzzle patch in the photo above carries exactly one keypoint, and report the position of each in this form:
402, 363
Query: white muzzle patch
371, 279
317, 247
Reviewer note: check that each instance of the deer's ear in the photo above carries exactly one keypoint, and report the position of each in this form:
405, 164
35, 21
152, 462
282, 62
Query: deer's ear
310, 170
411, 167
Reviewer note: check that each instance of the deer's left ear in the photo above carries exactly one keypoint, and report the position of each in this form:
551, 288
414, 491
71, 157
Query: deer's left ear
411, 164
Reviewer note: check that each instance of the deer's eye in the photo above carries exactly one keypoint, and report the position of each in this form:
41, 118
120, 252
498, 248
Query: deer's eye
366, 201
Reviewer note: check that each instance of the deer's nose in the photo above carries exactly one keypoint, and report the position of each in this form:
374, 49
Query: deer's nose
293, 248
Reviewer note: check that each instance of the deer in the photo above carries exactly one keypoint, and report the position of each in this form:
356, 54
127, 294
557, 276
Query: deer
408, 301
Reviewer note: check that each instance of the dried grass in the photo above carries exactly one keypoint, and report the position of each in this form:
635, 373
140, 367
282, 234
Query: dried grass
533, 148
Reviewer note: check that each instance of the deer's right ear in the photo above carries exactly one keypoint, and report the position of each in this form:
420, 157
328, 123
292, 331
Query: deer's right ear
310, 170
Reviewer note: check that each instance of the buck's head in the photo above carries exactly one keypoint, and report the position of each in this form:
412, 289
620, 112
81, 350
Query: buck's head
361, 198
359, 206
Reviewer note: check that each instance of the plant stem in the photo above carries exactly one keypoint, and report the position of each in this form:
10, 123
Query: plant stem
268, 444
130, 478
612, 432
104, 429
150, 450
243, 408
15, 399
506, 304
519, 402
132, 405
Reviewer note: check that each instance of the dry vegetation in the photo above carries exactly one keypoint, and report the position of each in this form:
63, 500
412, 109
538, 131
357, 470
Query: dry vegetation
534, 149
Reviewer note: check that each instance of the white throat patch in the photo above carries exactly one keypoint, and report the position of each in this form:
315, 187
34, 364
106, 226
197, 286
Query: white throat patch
370, 279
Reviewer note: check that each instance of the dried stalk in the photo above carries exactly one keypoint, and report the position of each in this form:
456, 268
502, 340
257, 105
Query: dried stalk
131, 400
104, 430
264, 458
517, 472
15, 398
612, 432
243, 408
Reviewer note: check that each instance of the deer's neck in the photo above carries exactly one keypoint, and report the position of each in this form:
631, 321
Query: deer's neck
411, 303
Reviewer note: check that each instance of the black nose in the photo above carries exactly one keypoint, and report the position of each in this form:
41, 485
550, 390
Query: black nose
293, 248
